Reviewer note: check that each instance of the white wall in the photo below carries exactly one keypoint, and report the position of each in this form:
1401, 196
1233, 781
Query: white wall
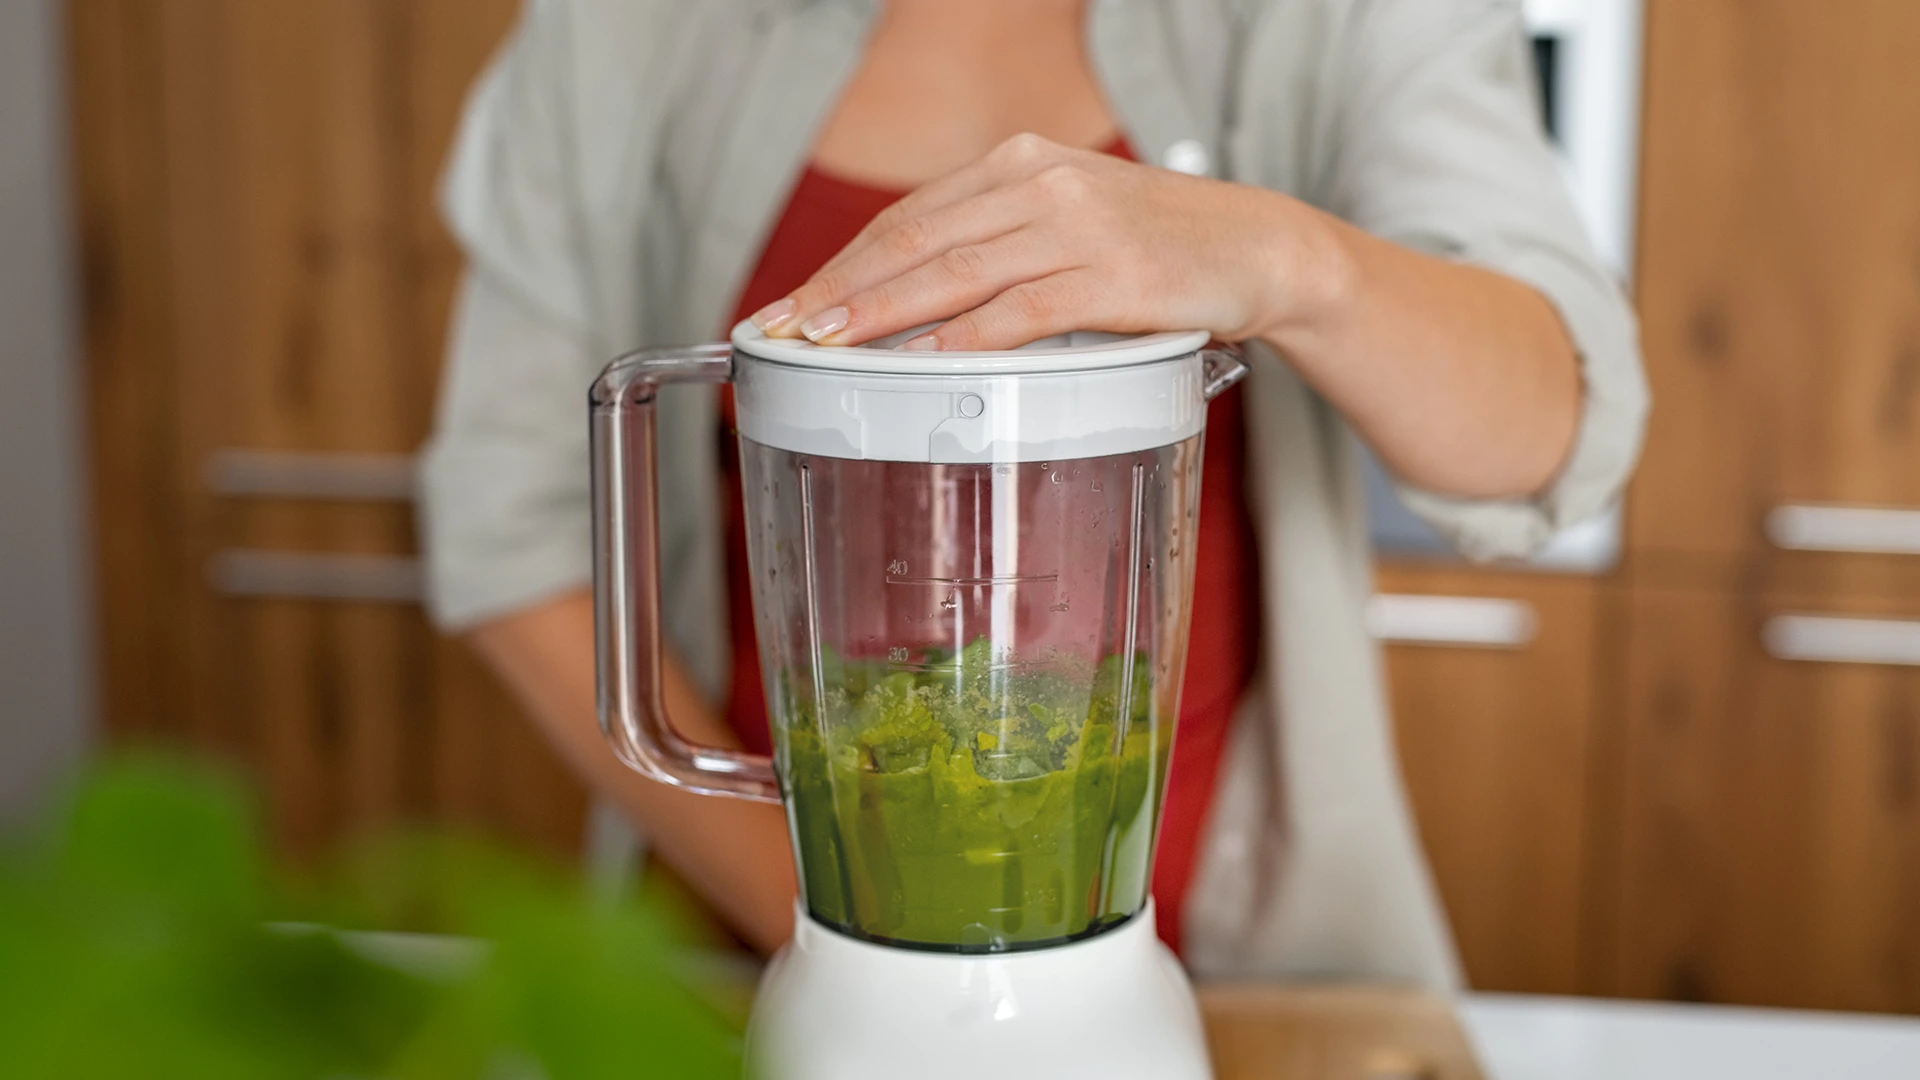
46, 674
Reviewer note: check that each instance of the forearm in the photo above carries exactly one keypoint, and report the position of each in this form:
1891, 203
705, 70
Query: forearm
736, 853
1464, 381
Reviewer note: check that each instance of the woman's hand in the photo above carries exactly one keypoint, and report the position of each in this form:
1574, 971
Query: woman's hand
1038, 239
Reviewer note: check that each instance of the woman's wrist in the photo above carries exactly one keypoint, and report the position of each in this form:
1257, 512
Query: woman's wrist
1310, 270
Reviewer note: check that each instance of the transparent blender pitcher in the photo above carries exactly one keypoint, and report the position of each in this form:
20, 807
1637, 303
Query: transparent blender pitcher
971, 581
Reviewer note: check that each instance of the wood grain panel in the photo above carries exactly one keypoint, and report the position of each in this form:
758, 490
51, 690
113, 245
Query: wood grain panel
1771, 840
123, 236
1495, 746
268, 273
1778, 279
290, 291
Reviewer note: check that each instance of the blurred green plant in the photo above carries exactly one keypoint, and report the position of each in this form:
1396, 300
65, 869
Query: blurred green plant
145, 933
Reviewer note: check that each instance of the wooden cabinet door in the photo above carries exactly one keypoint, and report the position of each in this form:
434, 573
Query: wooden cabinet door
265, 273
1779, 270
1495, 741
1772, 833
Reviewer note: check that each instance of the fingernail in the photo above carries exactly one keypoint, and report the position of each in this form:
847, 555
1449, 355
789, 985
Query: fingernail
923, 343
827, 322
773, 314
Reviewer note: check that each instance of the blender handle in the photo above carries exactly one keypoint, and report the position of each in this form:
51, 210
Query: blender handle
1222, 365
626, 579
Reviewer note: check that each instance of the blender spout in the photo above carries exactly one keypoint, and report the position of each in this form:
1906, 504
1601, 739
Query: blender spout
1223, 365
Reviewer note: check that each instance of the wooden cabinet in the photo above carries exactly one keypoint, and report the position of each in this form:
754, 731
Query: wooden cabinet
1778, 281
1768, 843
1772, 806
264, 273
1650, 798
1496, 733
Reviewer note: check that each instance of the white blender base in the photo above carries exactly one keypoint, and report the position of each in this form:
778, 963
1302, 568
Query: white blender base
832, 1007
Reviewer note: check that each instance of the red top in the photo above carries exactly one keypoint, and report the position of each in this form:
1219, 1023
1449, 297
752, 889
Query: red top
823, 214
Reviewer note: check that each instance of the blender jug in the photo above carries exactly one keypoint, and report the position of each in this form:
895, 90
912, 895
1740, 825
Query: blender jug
971, 581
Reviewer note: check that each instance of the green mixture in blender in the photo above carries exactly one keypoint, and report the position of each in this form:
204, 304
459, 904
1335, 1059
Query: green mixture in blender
959, 806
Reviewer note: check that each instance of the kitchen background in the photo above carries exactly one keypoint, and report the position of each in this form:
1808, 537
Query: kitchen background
1678, 758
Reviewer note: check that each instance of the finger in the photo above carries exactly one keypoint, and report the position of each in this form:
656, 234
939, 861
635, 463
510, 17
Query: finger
960, 279
1070, 300
900, 237
1014, 160
917, 243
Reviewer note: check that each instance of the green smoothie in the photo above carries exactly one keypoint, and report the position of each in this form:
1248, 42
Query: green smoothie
967, 805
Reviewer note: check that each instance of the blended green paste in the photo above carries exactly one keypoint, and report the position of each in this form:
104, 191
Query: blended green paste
958, 806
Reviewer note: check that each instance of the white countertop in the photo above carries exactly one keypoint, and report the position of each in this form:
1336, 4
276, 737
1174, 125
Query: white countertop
1523, 1037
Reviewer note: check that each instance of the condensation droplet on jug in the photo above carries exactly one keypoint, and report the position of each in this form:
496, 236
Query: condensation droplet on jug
1061, 606
952, 601
1056, 476
1095, 486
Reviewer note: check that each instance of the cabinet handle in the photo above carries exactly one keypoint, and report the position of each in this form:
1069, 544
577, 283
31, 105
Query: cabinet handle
1475, 621
1835, 640
276, 474
390, 579
1882, 530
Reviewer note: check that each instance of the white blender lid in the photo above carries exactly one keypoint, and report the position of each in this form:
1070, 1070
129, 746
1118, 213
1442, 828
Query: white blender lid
1081, 350
1084, 394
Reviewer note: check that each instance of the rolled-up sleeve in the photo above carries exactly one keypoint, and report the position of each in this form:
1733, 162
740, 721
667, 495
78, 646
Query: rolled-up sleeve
1439, 147
504, 482
504, 476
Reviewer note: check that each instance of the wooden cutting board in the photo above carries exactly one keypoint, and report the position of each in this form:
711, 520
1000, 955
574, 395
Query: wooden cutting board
1293, 1033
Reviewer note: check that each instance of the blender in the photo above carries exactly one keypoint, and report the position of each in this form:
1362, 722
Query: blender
971, 579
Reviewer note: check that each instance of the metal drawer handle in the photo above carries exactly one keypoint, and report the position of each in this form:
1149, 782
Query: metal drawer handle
1476, 621
274, 474
1877, 529
390, 579
1834, 640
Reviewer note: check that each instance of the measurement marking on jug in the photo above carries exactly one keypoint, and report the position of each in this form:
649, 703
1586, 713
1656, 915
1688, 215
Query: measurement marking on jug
973, 582
949, 668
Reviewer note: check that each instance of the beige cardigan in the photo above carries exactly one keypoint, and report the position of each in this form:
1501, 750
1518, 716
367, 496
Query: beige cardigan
622, 160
